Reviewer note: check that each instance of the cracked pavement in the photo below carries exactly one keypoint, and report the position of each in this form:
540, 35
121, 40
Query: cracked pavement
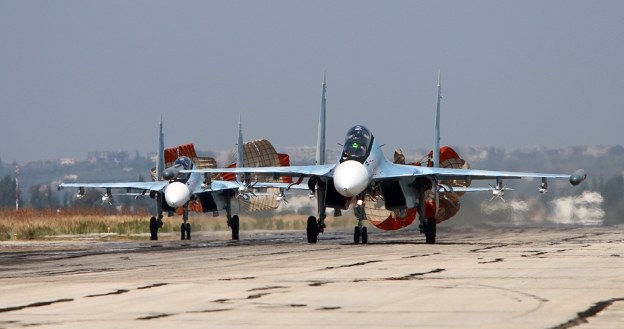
498, 278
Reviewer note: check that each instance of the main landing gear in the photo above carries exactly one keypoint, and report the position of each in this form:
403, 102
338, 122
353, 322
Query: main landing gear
155, 224
232, 221
234, 224
314, 228
428, 227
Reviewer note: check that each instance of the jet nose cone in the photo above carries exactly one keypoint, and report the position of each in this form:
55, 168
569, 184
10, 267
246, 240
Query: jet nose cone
177, 194
350, 178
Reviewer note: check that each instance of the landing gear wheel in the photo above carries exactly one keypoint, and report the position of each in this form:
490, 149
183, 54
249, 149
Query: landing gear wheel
235, 225
185, 231
364, 235
356, 235
430, 230
312, 230
153, 225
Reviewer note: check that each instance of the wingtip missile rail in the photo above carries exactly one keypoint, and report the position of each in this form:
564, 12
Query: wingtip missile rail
578, 177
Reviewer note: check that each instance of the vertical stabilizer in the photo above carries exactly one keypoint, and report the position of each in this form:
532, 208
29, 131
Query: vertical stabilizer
436, 139
320, 140
239, 148
160, 155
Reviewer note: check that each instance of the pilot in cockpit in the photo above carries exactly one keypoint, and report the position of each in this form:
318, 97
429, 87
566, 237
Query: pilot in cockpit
356, 148
185, 162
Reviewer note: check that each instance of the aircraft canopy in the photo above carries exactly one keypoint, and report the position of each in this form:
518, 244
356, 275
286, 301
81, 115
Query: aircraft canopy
357, 144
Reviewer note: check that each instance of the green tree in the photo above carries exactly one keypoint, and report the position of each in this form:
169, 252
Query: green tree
41, 197
613, 193
91, 199
7, 192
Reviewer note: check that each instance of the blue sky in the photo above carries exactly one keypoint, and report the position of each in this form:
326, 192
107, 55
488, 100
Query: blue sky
80, 76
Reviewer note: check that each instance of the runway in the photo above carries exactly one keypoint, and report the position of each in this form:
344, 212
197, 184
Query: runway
497, 278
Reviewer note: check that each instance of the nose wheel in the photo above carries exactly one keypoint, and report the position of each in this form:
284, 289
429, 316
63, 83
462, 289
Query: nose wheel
360, 234
185, 231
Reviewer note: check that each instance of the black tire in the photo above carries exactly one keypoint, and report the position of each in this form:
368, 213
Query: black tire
312, 230
235, 225
182, 232
364, 235
356, 235
153, 225
188, 231
430, 231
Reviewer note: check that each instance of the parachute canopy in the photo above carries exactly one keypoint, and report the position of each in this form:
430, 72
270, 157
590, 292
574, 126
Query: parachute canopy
449, 203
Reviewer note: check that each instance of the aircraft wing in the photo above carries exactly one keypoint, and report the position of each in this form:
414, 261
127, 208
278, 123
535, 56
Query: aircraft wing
291, 171
217, 185
142, 186
396, 171
220, 185
404, 171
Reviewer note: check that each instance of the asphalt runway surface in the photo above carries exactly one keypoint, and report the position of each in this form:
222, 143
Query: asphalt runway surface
497, 278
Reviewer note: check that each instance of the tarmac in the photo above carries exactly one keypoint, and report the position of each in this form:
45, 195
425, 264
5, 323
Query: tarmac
561, 277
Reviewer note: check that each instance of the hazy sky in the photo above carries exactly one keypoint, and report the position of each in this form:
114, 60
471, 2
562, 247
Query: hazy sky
79, 76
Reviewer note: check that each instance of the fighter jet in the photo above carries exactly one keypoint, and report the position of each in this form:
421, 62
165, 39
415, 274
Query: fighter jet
180, 186
363, 173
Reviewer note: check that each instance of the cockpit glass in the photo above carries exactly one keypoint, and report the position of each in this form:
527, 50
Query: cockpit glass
357, 143
185, 162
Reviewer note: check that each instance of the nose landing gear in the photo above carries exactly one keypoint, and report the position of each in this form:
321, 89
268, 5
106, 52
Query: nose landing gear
185, 231
360, 232
185, 228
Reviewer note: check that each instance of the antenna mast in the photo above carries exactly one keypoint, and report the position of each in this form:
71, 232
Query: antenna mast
16, 187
